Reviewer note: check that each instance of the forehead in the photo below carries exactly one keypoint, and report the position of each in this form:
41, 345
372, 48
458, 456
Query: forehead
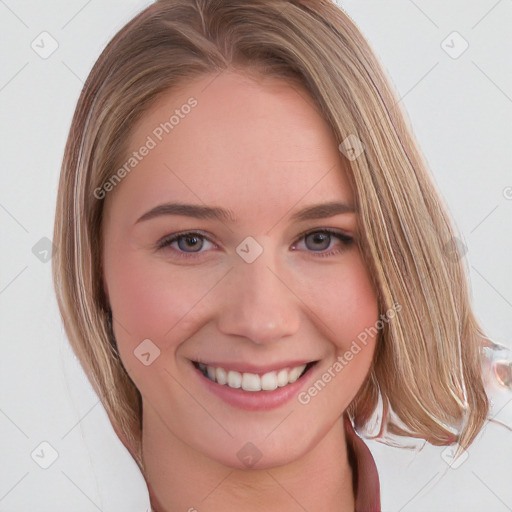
231, 139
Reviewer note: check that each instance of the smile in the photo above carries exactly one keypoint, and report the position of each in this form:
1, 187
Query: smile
252, 381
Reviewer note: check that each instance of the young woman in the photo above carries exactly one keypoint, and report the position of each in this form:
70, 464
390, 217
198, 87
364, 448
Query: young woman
253, 261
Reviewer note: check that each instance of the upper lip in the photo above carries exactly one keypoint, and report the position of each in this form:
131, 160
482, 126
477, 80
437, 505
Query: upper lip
242, 367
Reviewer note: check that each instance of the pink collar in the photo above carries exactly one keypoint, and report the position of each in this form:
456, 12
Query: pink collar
365, 475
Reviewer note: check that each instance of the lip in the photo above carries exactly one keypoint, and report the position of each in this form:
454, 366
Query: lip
255, 400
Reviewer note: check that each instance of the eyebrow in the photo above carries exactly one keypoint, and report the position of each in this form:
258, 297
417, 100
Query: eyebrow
317, 211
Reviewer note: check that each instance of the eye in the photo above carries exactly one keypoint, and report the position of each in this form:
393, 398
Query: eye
322, 240
192, 243
185, 244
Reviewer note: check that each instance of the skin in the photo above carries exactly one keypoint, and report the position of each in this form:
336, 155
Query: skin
260, 149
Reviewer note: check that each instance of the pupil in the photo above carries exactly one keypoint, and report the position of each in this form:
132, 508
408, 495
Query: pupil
318, 238
189, 242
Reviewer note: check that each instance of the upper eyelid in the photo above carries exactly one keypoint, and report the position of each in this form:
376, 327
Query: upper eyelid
335, 231
168, 239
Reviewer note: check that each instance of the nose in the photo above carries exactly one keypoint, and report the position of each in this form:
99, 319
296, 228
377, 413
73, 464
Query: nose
258, 303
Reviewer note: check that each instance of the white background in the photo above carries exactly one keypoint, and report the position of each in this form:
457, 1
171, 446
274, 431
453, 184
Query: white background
461, 113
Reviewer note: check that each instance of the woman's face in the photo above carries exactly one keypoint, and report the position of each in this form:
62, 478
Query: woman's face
256, 289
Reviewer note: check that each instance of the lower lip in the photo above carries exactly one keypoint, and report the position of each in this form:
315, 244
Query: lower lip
255, 400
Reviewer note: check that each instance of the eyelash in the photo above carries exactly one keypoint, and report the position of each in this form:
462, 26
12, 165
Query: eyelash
342, 237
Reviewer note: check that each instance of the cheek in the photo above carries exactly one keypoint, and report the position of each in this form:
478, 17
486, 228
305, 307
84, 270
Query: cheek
347, 306
344, 300
149, 301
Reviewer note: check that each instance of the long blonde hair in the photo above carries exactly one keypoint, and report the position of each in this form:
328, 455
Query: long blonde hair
426, 371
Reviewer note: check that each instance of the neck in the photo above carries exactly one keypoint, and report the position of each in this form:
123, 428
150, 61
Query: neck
182, 479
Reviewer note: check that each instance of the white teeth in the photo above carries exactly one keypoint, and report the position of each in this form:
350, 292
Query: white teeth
234, 379
220, 376
282, 378
211, 372
295, 373
251, 381
269, 381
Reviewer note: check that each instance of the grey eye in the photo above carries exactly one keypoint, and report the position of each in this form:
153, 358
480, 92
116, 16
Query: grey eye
318, 241
190, 243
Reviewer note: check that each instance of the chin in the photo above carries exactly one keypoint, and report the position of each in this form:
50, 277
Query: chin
262, 447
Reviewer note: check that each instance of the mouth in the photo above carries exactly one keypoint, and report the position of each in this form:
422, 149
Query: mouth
254, 382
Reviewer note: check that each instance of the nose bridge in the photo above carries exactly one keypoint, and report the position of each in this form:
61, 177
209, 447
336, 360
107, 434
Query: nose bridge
258, 305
